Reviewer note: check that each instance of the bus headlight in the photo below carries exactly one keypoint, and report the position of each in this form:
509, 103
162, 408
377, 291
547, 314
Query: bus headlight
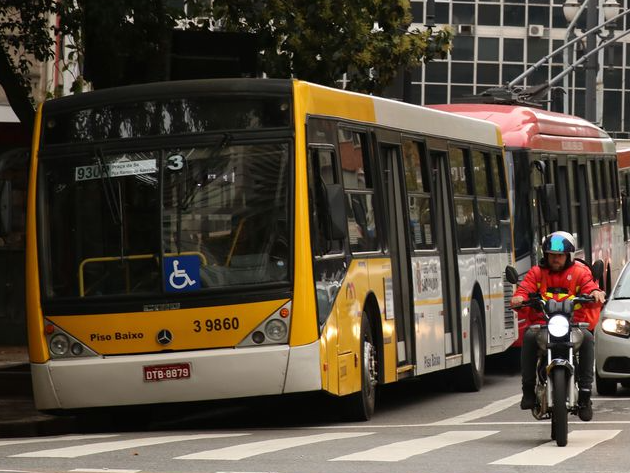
618, 327
276, 330
272, 330
59, 344
77, 349
558, 326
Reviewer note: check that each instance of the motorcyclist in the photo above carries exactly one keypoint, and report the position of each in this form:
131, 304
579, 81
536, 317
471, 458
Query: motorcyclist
559, 276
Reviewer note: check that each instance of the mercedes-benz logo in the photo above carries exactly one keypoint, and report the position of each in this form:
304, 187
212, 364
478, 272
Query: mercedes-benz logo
164, 337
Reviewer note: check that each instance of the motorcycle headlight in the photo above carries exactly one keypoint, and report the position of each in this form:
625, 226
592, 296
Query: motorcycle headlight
618, 327
558, 326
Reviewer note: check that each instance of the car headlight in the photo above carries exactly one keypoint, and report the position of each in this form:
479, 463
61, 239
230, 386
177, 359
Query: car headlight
618, 327
558, 326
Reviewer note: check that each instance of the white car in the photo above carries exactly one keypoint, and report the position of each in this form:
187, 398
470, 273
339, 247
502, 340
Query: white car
612, 338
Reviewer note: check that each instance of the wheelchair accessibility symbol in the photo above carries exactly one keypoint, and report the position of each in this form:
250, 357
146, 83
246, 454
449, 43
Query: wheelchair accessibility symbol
181, 273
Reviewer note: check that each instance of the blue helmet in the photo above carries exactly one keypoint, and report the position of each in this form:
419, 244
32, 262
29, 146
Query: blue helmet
559, 243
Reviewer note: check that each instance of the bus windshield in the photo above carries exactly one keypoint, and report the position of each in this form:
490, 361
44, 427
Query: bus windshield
165, 220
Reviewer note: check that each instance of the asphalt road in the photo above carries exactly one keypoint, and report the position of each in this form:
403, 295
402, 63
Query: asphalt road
420, 426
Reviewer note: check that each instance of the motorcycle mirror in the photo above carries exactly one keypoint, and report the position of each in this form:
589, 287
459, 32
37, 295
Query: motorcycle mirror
597, 270
511, 275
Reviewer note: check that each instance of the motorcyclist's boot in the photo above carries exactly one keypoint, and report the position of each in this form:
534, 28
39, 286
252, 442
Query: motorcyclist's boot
585, 406
528, 401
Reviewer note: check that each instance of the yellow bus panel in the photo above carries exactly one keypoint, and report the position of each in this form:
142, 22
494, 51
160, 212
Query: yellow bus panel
192, 329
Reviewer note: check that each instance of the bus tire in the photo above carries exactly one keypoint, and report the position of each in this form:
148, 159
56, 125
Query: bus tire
471, 375
360, 405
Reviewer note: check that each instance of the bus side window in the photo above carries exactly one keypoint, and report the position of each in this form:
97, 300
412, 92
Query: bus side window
357, 181
463, 197
574, 197
321, 173
606, 189
418, 196
610, 169
593, 186
486, 206
625, 203
500, 193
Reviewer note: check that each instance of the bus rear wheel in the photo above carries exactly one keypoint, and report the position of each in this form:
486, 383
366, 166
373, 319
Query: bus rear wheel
471, 375
360, 405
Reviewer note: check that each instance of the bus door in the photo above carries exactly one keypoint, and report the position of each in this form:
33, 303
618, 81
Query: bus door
399, 292
445, 237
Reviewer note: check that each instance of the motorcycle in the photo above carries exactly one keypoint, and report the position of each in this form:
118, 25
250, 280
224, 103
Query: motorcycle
558, 342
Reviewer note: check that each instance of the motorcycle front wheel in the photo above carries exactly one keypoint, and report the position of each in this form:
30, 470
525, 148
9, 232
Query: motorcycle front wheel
559, 413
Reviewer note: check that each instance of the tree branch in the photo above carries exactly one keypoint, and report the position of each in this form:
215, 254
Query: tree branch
16, 94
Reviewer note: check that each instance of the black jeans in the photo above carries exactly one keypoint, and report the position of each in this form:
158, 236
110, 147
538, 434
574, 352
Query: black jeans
529, 356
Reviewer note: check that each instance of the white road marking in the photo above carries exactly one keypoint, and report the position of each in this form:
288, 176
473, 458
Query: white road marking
549, 454
54, 439
245, 450
402, 450
465, 419
101, 447
103, 470
492, 408
17, 471
483, 424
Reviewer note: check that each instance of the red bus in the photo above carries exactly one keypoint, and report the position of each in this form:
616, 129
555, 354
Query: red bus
623, 160
563, 175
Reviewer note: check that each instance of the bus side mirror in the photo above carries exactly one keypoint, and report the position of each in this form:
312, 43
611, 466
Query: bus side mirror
336, 211
548, 203
511, 274
597, 270
5, 207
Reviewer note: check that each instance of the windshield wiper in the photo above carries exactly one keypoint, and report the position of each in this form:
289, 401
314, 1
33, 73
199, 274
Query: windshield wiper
108, 189
113, 199
204, 178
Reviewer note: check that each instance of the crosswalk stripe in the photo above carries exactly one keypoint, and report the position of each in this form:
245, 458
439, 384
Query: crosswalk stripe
103, 470
492, 408
402, 450
549, 454
101, 447
54, 439
238, 452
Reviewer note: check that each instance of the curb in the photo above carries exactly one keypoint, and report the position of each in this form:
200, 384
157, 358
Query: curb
19, 418
15, 380
41, 425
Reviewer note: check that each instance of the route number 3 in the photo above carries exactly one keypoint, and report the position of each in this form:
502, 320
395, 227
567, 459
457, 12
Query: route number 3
175, 162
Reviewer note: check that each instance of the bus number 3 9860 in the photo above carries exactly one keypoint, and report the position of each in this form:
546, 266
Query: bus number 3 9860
216, 325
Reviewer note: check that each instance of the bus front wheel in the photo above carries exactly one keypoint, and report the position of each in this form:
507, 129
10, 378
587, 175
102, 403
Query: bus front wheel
360, 405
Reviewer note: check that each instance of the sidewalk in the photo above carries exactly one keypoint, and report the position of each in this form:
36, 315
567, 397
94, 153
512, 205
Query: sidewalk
18, 416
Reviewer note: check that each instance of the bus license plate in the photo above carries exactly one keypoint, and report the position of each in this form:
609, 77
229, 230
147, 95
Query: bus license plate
166, 372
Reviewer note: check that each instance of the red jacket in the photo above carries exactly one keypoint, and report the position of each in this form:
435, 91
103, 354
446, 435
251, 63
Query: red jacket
576, 279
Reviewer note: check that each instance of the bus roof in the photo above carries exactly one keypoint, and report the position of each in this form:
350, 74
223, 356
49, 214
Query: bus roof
536, 129
400, 115
317, 100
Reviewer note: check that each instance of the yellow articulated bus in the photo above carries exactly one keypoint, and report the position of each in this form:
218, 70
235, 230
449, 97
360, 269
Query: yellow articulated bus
218, 239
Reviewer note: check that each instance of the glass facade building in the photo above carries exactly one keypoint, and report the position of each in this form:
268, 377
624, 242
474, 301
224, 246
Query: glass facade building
497, 40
